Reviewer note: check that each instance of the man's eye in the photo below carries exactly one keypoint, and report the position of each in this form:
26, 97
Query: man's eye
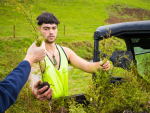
54, 28
45, 29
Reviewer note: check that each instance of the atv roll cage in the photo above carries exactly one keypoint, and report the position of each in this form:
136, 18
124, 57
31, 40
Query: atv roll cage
135, 34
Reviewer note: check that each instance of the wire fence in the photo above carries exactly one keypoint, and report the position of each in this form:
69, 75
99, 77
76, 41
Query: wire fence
23, 30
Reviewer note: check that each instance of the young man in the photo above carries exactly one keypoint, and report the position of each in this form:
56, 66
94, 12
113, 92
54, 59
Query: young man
57, 59
13, 83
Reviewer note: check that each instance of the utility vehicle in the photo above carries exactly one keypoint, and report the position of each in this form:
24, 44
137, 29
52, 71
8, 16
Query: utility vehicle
137, 38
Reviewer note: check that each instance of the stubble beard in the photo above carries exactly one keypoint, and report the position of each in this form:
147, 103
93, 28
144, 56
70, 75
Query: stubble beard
49, 41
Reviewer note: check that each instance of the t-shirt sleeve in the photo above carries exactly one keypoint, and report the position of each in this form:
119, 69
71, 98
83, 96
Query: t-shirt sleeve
12, 84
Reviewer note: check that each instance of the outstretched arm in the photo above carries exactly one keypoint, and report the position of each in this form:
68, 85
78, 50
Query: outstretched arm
13, 83
83, 65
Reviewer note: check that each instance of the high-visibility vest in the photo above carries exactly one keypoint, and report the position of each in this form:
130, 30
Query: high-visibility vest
58, 78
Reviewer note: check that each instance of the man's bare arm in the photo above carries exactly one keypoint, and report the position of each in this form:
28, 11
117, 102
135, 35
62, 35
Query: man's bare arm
84, 65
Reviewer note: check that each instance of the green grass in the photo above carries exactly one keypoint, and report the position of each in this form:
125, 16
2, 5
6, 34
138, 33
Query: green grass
81, 17
78, 81
13, 51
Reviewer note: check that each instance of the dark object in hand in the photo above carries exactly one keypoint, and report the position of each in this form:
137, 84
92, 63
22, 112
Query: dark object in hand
41, 85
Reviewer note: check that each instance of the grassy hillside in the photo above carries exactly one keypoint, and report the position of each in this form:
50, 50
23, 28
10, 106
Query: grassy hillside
80, 17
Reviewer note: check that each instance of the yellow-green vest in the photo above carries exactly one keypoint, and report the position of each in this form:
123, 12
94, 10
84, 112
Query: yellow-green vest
58, 78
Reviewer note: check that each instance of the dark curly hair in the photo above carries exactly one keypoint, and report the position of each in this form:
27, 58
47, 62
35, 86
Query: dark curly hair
47, 18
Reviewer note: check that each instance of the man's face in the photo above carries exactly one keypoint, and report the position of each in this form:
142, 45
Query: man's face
49, 31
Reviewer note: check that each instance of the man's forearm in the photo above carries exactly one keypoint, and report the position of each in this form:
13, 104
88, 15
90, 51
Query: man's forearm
92, 67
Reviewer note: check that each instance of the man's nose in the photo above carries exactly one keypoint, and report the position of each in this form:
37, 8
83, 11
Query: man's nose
50, 31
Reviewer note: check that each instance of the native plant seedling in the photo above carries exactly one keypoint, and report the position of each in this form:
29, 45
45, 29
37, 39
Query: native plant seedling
38, 36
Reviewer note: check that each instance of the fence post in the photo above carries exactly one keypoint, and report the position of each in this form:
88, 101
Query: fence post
64, 29
14, 31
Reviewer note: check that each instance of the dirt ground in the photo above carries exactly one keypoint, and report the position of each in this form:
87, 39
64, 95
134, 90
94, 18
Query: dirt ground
119, 14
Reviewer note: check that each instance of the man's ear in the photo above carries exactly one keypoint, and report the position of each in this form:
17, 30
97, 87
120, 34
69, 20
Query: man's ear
38, 29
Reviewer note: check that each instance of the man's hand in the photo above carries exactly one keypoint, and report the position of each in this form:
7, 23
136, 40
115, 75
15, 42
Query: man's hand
105, 66
35, 53
37, 93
